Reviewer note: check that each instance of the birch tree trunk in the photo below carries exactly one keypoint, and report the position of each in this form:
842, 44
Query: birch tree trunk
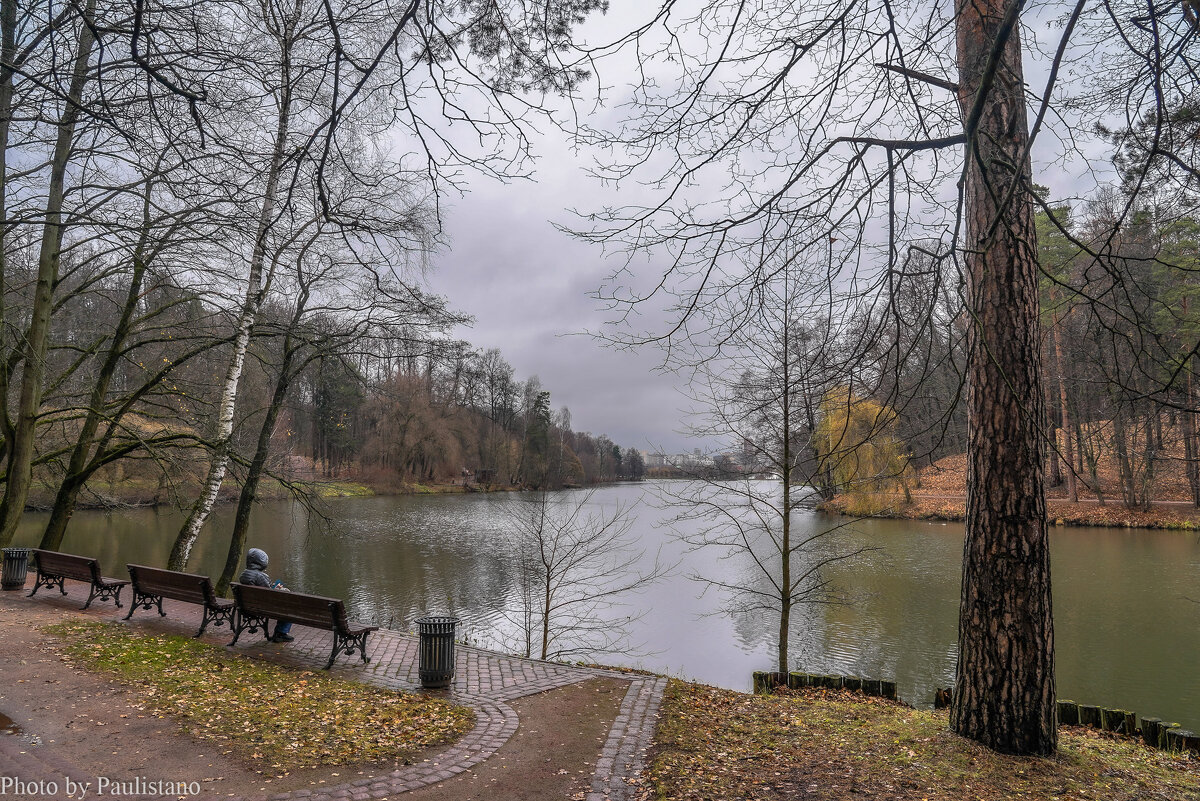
37, 336
241, 518
256, 288
1004, 686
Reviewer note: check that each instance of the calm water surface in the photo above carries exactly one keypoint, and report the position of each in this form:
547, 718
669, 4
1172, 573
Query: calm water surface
1126, 602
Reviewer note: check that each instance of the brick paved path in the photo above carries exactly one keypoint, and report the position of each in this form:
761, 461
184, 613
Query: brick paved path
484, 681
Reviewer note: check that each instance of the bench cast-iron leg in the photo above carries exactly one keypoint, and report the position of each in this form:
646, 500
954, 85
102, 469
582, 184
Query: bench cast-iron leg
251, 622
143, 600
348, 645
218, 617
106, 593
47, 580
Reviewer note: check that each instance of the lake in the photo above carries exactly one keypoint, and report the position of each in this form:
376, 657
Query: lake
1126, 601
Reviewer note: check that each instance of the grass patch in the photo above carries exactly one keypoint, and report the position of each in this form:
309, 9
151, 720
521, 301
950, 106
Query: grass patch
433, 489
280, 719
717, 744
342, 489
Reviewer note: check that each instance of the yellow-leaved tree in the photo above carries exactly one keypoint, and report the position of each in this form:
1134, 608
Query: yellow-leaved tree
860, 451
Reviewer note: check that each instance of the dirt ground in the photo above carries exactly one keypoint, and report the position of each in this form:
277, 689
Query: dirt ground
552, 755
67, 722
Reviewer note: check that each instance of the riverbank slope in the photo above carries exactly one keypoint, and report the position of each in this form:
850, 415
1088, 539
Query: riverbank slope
841, 746
938, 492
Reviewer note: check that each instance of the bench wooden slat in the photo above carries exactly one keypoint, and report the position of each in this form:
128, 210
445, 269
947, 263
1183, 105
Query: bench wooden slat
152, 584
257, 605
54, 566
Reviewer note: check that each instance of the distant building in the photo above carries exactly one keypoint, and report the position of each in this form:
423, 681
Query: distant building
691, 461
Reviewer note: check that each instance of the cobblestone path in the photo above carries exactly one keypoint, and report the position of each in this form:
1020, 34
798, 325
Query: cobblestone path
484, 681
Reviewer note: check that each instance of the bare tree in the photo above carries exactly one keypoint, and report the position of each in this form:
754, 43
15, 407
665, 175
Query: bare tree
762, 379
19, 439
575, 563
90, 92
289, 32
845, 123
331, 72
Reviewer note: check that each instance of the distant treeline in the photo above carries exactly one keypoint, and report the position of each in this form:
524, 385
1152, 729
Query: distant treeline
450, 413
1120, 308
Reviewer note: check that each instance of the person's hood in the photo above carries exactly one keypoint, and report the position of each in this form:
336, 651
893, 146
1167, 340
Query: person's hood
256, 559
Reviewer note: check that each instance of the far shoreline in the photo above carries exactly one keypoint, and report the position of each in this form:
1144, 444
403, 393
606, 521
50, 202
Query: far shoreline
119, 496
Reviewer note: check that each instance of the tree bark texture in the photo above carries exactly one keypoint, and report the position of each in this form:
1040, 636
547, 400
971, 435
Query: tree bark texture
1004, 686
37, 336
241, 519
256, 287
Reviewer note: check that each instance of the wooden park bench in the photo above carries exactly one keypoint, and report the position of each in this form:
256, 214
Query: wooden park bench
53, 567
152, 584
256, 606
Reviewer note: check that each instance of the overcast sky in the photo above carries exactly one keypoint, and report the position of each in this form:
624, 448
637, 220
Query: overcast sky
527, 284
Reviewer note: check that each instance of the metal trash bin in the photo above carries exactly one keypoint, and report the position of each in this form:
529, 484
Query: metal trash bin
436, 650
16, 565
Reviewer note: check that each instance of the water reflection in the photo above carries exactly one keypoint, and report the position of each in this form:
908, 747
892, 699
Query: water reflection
1125, 601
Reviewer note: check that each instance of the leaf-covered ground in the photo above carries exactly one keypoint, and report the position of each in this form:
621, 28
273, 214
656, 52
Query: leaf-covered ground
940, 494
1059, 512
279, 718
835, 746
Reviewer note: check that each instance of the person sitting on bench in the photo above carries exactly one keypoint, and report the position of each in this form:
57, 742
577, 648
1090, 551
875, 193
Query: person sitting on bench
255, 574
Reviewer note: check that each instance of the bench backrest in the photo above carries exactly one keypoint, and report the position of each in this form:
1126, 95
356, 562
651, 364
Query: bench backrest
298, 607
190, 587
80, 568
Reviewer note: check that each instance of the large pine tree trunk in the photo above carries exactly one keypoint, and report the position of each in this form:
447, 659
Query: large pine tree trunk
1004, 687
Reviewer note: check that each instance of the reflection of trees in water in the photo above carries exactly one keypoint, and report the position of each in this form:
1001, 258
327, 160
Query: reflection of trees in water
906, 631
396, 559
758, 630
395, 567
887, 619
832, 556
